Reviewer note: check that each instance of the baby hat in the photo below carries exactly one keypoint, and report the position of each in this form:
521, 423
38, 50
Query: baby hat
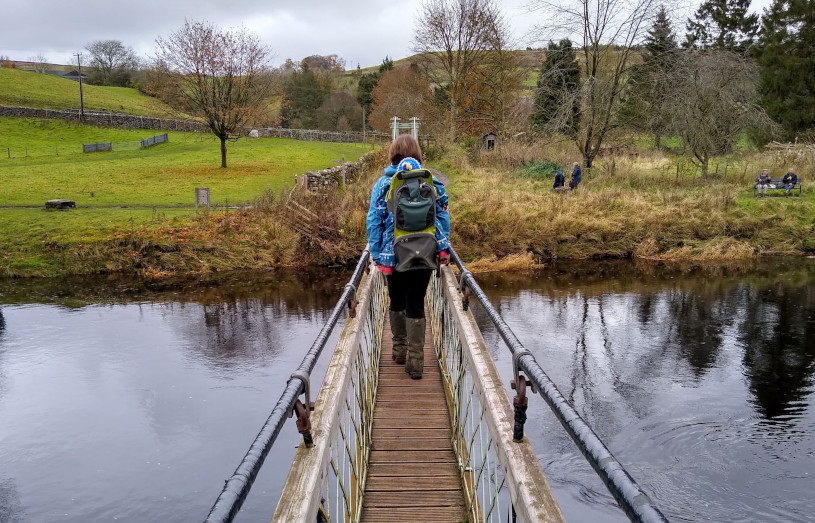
408, 164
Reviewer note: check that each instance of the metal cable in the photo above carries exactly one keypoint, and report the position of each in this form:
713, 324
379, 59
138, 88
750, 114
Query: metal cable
632, 499
237, 487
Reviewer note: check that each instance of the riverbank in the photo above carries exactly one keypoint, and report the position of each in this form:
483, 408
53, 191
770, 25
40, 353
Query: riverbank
638, 207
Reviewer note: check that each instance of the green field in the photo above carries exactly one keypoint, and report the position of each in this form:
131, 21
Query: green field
129, 189
164, 175
29, 89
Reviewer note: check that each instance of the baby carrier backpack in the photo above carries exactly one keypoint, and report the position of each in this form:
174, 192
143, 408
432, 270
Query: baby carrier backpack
412, 200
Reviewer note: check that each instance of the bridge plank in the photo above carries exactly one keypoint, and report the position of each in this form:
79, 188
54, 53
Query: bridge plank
412, 456
412, 473
396, 470
419, 514
410, 444
390, 484
403, 433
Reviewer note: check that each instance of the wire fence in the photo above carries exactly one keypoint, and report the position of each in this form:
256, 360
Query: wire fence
38, 150
125, 146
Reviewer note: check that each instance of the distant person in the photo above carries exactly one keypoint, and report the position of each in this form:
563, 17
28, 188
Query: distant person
790, 180
577, 176
762, 182
560, 180
408, 262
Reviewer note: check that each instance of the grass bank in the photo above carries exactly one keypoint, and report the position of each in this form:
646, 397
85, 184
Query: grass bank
139, 219
648, 204
30, 89
142, 201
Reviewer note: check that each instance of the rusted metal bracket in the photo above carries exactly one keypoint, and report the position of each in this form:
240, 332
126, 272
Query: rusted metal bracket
352, 301
465, 291
520, 401
302, 410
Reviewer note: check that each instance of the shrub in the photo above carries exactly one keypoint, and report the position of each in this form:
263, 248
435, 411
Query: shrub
539, 170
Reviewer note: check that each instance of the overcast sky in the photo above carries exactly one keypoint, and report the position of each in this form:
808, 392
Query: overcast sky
359, 31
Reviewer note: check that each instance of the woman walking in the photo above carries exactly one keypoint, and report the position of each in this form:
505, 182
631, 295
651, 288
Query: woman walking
406, 274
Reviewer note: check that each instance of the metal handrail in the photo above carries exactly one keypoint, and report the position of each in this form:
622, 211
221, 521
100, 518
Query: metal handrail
237, 487
632, 499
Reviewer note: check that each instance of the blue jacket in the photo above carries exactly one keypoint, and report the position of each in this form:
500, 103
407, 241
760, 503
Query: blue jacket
380, 220
577, 174
560, 180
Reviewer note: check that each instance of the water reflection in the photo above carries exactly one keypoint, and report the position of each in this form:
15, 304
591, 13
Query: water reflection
156, 389
778, 334
700, 380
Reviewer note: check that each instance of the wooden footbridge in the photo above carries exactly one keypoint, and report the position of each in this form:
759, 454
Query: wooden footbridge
379, 446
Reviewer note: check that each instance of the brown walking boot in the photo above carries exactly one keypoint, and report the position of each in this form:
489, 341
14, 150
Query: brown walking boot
415, 354
399, 333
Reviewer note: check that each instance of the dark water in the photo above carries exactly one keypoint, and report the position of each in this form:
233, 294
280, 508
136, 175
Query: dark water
699, 380
120, 401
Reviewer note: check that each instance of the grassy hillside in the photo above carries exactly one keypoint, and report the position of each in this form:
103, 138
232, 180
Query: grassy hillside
529, 60
127, 190
29, 89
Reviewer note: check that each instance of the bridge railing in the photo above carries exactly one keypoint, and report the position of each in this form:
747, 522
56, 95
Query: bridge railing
501, 478
327, 482
632, 499
237, 487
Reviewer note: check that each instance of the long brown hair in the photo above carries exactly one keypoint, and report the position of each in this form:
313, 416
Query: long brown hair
404, 146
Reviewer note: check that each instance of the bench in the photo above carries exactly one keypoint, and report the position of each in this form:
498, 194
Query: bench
775, 183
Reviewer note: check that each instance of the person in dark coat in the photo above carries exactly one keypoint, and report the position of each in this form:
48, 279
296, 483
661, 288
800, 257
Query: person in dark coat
790, 180
577, 176
560, 180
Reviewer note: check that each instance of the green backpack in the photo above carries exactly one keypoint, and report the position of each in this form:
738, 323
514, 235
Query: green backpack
412, 200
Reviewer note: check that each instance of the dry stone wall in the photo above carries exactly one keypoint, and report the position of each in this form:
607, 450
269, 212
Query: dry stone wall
334, 176
127, 121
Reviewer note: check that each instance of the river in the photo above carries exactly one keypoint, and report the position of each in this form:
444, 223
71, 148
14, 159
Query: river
132, 401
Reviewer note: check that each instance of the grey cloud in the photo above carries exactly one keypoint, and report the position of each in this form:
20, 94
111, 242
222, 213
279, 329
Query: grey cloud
359, 31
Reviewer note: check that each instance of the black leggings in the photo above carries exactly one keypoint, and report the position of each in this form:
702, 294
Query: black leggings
406, 291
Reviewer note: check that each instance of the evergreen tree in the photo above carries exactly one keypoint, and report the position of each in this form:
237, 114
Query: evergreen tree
367, 82
722, 24
650, 82
556, 96
786, 55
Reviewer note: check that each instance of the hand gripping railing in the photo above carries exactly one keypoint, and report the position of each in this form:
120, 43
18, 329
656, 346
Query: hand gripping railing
631, 498
237, 487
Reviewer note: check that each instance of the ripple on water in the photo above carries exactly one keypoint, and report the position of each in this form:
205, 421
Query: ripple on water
708, 468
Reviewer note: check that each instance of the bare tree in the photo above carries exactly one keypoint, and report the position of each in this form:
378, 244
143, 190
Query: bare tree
492, 92
111, 62
339, 112
609, 31
454, 38
40, 63
222, 75
713, 102
405, 93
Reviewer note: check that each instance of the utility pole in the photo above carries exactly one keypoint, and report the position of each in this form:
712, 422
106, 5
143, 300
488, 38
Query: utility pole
81, 100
